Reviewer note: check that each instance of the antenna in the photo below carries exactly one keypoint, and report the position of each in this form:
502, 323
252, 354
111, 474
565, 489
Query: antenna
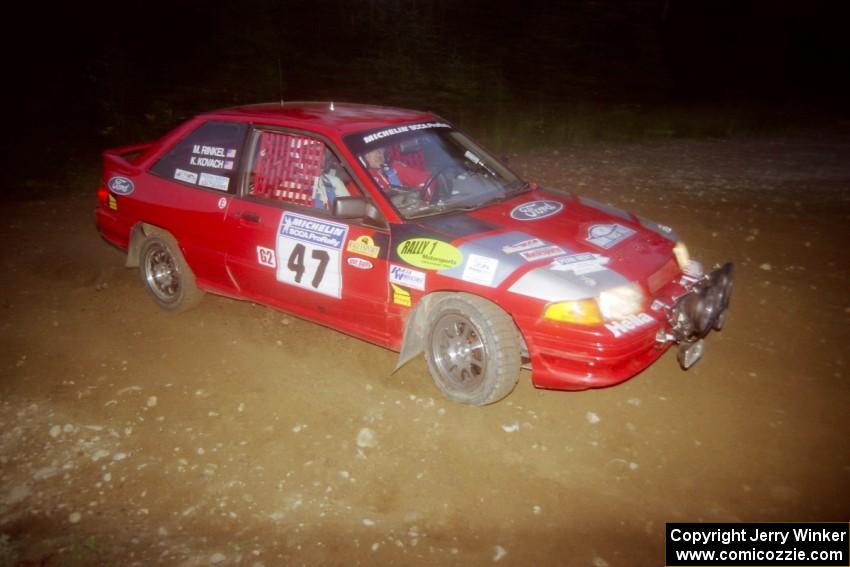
279, 81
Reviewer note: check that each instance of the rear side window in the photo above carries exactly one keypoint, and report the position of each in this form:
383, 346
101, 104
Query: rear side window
205, 158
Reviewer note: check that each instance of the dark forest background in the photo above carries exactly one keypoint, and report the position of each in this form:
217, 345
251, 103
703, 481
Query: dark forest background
516, 74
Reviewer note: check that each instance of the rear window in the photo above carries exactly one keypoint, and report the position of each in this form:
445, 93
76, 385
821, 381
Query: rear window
206, 158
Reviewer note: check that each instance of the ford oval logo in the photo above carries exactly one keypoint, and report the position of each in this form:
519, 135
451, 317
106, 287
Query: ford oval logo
535, 210
121, 185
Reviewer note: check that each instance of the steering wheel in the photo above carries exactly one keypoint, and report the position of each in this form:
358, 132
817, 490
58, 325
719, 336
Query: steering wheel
435, 187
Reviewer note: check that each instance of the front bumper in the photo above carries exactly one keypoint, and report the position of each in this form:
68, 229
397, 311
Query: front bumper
683, 314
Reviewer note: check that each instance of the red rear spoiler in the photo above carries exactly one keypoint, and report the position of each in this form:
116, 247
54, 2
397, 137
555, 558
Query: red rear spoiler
124, 159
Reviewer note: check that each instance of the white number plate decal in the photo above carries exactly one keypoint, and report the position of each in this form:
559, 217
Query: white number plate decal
309, 253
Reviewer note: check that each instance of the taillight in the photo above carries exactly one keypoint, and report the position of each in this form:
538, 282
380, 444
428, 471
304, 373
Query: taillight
102, 194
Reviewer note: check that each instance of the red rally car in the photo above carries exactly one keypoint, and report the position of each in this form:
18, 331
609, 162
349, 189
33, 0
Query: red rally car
392, 226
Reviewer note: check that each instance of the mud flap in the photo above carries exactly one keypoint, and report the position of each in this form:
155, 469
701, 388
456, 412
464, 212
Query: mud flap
412, 343
415, 330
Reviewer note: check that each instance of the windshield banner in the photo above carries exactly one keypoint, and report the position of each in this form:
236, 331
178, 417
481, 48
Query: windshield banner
358, 142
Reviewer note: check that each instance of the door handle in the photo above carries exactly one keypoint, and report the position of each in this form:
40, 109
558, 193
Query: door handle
250, 217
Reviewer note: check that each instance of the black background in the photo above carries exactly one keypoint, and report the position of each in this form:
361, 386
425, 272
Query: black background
87, 76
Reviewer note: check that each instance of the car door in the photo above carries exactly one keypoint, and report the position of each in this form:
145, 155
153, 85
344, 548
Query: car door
188, 190
286, 250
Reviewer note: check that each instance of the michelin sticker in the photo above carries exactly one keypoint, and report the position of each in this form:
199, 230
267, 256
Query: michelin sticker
429, 254
580, 264
407, 277
310, 250
185, 176
402, 129
121, 185
542, 253
629, 324
522, 246
480, 269
536, 210
364, 245
218, 182
608, 235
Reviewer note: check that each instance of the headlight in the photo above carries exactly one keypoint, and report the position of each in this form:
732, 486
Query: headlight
682, 256
620, 302
581, 312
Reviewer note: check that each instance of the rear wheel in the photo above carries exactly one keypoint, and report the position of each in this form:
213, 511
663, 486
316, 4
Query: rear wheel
472, 350
166, 275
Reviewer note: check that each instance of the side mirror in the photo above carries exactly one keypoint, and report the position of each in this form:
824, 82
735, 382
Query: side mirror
357, 208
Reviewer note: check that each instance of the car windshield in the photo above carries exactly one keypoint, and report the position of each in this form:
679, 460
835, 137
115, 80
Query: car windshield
430, 168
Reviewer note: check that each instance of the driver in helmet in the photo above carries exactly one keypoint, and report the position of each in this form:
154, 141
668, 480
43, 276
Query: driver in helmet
388, 173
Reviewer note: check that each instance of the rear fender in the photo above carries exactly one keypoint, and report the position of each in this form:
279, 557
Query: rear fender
140, 231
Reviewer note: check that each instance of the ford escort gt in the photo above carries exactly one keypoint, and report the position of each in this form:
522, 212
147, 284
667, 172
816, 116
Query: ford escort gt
393, 226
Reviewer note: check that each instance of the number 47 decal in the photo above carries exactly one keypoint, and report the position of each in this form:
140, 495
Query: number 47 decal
309, 253
296, 264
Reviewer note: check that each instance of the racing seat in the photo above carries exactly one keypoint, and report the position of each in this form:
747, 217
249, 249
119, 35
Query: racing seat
412, 156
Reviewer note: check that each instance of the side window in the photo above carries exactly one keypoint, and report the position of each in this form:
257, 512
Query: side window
205, 158
297, 169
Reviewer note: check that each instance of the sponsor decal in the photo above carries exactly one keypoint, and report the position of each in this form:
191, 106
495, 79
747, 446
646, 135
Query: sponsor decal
429, 254
522, 246
480, 269
213, 181
222, 203
541, 253
311, 230
407, 277
364, 245
629, 324
360, 263
310, 252
608, 235
112, 202
402, 129
185, 176
401, 296
265, 256
580, 264
536, 210
120, 185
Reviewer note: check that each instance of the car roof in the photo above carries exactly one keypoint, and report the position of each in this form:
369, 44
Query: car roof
342, 118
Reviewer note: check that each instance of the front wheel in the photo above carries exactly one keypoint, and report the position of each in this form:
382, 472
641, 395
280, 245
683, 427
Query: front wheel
472, 350
166, 275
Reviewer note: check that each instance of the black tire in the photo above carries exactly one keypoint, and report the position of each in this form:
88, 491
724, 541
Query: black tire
166, 275
472, 349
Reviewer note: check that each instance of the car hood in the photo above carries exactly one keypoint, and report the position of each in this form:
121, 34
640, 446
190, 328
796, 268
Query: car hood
553, 246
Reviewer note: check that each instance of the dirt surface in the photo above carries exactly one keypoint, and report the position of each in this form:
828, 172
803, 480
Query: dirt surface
236, 435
